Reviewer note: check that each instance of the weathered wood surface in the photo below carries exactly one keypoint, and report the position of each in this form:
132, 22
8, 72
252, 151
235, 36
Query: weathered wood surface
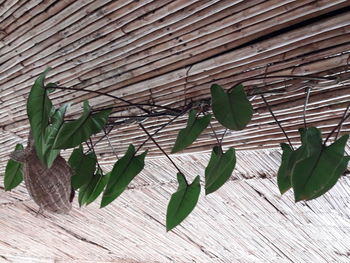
169, 53
245, 221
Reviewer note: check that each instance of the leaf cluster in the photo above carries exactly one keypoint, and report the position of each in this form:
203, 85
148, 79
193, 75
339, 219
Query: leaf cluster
231, 109
311, 170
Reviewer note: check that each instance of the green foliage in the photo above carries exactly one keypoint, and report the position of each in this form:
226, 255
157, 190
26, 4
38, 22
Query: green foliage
219, 169
38, 110
44, 119
75, 132
328, 183
50, 87
311, 143
90, 191
232, 109
182, 202
49, 154
194, 128
315, 175
13, 172
311, 170
83, 167
283, 175
124, 170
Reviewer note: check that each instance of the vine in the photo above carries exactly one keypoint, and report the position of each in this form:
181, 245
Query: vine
311, 170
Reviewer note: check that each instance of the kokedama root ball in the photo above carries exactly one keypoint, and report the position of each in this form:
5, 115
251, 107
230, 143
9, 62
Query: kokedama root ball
50, 188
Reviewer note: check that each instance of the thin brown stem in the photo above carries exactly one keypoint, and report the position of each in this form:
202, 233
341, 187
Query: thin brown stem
153, 114
216, 137
91, 147
345, 112
137, 104
305, 104
344, 118
186, 82
104, 136
110, 144
284, 77
161, 149
223, 135
105, 94
278, 123
162, 127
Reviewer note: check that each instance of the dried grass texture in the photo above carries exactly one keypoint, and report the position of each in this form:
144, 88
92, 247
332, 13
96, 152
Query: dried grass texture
169, 53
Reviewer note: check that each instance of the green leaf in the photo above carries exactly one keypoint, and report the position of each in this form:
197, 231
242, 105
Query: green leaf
283, 177
182, 202
194, 128
333, 180
89, 192
38, 110
50, 154
75, 132
318, 173
124, 170
99, 187
219, 169
13, 172
83, 166
233, 109
83, 193
51, 87
311, 143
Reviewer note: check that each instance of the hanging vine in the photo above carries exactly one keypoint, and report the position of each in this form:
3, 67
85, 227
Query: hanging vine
310, 170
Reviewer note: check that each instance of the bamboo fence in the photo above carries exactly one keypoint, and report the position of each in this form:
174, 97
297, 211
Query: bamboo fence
169, 53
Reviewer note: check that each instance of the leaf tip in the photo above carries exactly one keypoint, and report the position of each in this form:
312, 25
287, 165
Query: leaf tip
282, 191
170, 226
207, 191
298, 198
174, 150
104, 202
